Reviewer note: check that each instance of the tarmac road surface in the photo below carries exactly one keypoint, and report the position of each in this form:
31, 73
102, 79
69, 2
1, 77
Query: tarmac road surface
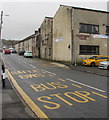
55, 92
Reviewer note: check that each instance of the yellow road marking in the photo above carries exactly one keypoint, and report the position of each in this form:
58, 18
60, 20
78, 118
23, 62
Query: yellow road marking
47, 65
100, 95
76, 85
50, 75
43, 72
58, 96
61, 79
38, 112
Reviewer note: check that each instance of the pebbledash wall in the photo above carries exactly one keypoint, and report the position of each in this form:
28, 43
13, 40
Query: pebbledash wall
79, 33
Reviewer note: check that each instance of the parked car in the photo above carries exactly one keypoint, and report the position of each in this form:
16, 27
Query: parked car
14, 51
28, 54
94, 60
7, 51
21, 52
104, 65
11, 49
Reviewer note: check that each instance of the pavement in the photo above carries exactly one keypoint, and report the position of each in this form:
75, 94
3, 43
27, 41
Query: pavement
11, 104
88, 69
92, 70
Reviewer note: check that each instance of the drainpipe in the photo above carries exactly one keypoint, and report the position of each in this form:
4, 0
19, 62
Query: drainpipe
73, 40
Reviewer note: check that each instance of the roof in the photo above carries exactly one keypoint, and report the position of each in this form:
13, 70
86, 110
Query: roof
29, 37
49, 17
85, 9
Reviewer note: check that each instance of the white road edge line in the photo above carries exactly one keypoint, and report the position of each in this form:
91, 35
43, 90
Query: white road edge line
86, 85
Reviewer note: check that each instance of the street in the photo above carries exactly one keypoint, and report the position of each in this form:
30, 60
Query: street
55, 92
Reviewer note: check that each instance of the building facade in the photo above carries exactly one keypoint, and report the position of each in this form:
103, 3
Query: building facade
71, 35
79, 33
46, 31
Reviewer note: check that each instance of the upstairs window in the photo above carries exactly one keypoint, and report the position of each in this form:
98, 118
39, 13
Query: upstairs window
89, 28
107, 29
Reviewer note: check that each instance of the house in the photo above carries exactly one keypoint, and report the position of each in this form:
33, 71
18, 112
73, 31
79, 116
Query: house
38, 43
79, 33
27, 44
46, 39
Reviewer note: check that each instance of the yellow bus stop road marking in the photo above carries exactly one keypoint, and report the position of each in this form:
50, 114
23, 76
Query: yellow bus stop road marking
76, 85
61, 79
100, 95
37, 111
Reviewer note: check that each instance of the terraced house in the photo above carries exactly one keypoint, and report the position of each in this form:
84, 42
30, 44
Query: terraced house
46, 32
79, 33
71, 35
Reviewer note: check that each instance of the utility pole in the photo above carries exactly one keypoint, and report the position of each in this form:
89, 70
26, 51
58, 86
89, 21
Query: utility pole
3, 68
1, 22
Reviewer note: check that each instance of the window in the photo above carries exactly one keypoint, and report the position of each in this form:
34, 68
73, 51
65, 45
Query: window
99, 58
89, 50
88, 28
107, 29
46, 36
50, 51
93, 57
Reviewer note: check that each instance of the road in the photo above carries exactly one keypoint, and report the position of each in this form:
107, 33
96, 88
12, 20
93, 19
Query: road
55, 92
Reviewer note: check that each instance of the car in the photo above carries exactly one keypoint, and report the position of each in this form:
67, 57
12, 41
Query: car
11, 49
14, 51
21, 52
104, 65
28, 54
7, 51
94, 60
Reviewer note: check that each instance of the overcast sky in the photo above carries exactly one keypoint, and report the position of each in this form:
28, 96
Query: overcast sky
25, 17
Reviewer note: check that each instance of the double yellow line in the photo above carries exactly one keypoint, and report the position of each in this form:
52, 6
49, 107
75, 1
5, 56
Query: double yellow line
36, 110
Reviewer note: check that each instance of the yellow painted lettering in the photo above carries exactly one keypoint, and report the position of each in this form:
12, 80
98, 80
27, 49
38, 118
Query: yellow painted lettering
40, 75
68, 94
51, 86
60, 85
45, 100
38, 88
84, 94
21, 76
29, 71
34, 75
20, 72
34, 70
27, 76
58, 96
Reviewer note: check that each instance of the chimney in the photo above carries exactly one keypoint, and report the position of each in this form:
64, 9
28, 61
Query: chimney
36, 32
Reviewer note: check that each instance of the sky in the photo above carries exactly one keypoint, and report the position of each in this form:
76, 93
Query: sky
25, 16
